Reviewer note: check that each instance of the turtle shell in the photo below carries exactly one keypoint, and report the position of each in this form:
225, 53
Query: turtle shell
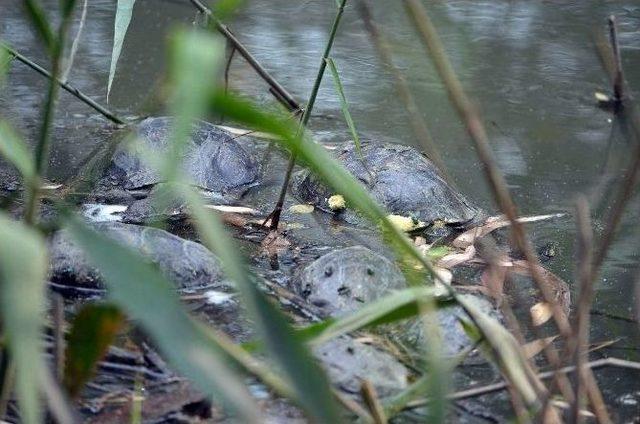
189, 265
400, 178
212, 158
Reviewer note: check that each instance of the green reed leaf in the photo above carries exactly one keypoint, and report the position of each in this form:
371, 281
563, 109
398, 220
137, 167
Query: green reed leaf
124, 11
344, 105
23, 271
149, 298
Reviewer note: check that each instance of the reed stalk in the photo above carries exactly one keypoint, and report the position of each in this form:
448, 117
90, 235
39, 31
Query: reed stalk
277, 211
42, 148
67, 87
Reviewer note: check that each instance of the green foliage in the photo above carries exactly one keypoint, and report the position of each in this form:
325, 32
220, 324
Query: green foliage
146, 296
13, 149
344, 105
122, 20
5, 64
94, 328
23, 269
197, 52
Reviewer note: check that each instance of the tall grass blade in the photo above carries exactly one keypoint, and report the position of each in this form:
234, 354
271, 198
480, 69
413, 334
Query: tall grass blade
124, 11
195, 55
23, 269
146, 296
344, 105
93, 330
391, 308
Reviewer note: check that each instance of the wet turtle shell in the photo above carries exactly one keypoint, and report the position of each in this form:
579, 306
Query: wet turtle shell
343, 280
400, 178
189, 265
212, 159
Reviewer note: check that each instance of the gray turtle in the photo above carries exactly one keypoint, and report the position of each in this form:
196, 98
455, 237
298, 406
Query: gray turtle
189, 265
344, 280
212, 160
400, 178
348, 362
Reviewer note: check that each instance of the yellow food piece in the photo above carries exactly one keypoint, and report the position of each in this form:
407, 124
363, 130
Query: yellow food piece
301, 209
337, 202
405, 223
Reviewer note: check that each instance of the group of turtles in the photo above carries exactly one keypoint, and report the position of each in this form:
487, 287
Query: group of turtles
223, 168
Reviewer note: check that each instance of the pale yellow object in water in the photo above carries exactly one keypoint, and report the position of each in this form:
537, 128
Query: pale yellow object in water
336, 202
405, 223
301, 209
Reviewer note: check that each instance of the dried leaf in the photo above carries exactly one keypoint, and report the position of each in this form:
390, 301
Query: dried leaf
531, 349
541, 312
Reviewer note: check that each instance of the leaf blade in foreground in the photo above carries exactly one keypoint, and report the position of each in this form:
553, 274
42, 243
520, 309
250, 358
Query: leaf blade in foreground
23, 270
147, 297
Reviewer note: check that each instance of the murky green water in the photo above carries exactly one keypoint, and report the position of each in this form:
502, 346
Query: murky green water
531, 67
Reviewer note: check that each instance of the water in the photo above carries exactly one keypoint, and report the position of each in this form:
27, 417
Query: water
531, 67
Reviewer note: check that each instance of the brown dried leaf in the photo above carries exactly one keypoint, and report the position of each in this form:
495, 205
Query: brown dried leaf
541, 312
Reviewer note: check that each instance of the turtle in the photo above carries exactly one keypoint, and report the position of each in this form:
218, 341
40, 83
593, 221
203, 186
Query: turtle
189, 265
212, 160
400, 179
344, 280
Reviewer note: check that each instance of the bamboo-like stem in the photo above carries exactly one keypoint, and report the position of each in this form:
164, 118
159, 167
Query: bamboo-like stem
282, 94
42, 148
277, 211
581, 336
69, 88
416, 120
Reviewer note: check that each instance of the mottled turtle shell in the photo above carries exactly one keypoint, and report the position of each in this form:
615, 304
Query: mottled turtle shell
189, 265
400, 178
212, 159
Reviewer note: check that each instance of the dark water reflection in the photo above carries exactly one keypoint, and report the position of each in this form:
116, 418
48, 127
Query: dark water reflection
531, 67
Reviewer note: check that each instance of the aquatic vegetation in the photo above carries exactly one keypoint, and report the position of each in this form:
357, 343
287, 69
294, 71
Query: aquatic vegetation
255, 317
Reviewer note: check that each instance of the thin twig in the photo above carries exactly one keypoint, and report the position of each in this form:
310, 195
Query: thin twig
69, 88
580, 341
277, 211
282, 93
372, 401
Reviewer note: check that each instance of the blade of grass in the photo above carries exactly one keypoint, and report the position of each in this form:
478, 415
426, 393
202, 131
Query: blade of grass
23, 269
76, 42
202, 53
41, 23
41, 157
343, 104
396, 306
124, 11
147, 297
